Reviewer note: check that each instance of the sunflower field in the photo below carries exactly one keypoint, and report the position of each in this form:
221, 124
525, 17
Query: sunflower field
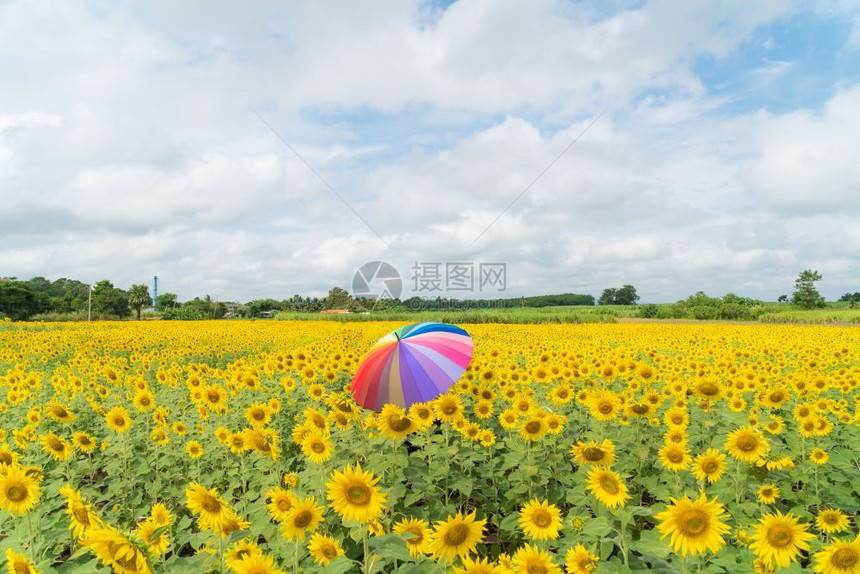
236, 447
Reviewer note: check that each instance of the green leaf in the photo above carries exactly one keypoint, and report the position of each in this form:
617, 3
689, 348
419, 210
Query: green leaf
597, 527
390, 546
338, 565
650, 545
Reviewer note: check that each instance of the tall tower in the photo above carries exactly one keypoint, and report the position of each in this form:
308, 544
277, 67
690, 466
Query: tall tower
154, 291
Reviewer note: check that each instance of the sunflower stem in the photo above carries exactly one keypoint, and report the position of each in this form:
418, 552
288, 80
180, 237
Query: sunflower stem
684, 564
31, 537
367, 561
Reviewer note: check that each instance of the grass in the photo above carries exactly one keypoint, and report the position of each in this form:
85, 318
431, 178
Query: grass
826, 316
511, 315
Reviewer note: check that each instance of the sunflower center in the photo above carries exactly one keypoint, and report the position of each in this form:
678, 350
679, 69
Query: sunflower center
398, 423
456, 535
81, 515
418, 537
302, 519
605, 408
780, 535
283, 504
358, 494
532, 427
16, 492
675, 456
21, 567
542, 519
5, 458
318, 447
55, 444
144, 401
747, 443
640, 409
692, 522
60, 412
609, 484
449, 409
829, 518
593, 454
845, 558
259, 415
677, 419
329, 552
708, 389
210, 504
776, 396
710, 466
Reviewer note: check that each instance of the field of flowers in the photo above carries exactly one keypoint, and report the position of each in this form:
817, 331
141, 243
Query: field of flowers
201, 447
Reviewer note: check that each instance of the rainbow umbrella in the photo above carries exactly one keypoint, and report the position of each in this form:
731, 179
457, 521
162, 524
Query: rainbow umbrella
413, 364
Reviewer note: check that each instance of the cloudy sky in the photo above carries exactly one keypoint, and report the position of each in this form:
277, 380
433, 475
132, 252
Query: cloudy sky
154, 138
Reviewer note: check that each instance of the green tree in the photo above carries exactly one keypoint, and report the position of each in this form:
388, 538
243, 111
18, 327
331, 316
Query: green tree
626, 295
806, 296
337, 299
138, 298
19, 301
166, 301
608, 296
108, 301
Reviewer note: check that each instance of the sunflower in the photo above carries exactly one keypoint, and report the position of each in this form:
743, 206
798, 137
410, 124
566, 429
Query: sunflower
533, 428
302, 518
819, 456
239, 550
604, 405
778, 538
353, 494
746, 444
830, 521
155, 545
422, 415
7, 457
540, 520
115, 550
209, 508
18, 491
83, 442
316, 447
768, 493
222, 435
579, 560
607, 487
144, 401
59, 413
477, 566
677, 417
456, 536
534, 560
324, 548
58, 448
594, 454
483, 409
194, 449
118, 419
82, 516
448, 408
215, 397
281, 501
18, 563
709, 466
508, 419
419, 531
674, 457
393, 422
839, 558
255, 563
258, 415
160, 514
694, 526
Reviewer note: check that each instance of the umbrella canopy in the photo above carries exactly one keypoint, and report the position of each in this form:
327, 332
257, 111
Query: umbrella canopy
413, 364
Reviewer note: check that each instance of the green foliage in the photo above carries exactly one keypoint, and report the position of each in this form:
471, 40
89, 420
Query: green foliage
109, 302
625, 295
166, 301
138, 298
805, 295
19, 301
649, 311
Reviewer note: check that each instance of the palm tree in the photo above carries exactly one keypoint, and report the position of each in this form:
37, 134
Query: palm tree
138, 297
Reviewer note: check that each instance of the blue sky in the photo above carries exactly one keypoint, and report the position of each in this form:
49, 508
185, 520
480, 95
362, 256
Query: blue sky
724, 161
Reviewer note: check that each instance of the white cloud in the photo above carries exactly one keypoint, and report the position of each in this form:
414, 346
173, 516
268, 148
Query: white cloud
128, 147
